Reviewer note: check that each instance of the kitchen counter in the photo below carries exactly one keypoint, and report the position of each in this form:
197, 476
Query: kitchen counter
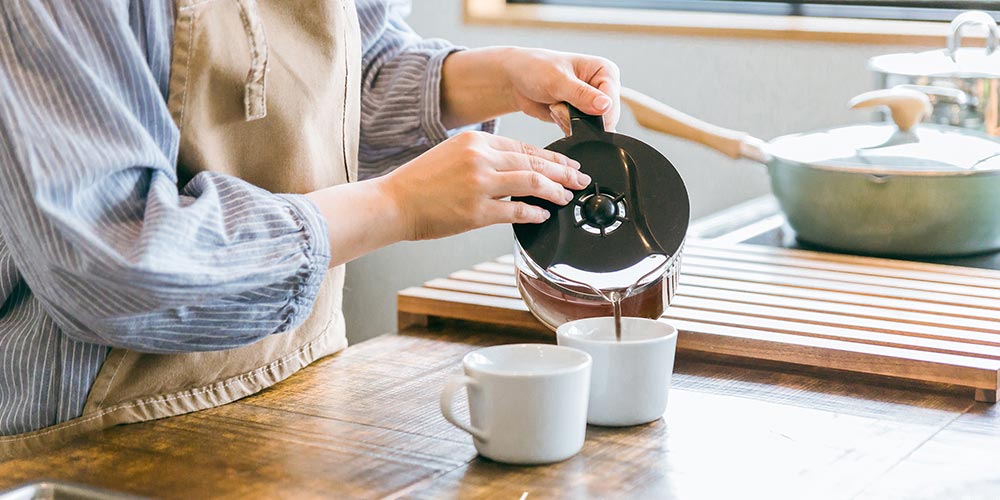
365, 423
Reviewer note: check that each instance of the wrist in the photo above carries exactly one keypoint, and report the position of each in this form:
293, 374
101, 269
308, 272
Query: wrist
476, 85
361, 217
390, 198
504, 60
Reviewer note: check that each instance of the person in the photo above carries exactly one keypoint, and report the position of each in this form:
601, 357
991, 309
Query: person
182, 183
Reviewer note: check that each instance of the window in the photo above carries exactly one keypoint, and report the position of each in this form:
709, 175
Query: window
909, 10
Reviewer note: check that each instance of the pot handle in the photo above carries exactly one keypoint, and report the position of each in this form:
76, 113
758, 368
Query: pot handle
973, 18
657, 116
907, 106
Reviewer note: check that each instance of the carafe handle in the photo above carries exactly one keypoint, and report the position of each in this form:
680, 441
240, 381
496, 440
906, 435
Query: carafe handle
582, 123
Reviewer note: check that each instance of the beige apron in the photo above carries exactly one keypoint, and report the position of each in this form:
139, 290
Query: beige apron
268, 91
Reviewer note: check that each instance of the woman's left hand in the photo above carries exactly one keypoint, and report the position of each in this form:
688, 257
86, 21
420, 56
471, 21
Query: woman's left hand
480, 84
541, 80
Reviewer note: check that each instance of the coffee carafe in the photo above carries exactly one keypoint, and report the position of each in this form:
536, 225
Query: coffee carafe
618, 242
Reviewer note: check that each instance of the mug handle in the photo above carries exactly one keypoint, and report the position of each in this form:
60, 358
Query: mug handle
448, 398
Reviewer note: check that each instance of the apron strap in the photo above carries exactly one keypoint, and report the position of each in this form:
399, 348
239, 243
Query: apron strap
254, 99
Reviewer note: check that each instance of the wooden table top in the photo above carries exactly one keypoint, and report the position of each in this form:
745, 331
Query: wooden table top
365, 423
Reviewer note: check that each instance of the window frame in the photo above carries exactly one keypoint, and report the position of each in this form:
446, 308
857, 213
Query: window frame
905, 10
711, 24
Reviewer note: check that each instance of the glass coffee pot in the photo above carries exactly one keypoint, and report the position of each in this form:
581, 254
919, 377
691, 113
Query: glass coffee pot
617, 245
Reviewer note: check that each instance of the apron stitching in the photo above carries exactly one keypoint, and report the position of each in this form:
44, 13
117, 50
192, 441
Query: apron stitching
253, 101
165, 399
187, 67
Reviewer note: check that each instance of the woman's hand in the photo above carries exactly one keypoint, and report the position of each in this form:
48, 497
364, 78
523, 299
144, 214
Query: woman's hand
481, 84
460, 184
541, 80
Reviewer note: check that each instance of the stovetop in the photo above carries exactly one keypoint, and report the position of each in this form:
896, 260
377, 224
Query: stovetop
784, 237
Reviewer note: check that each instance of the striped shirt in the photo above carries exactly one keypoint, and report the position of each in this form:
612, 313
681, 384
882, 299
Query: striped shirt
99, 248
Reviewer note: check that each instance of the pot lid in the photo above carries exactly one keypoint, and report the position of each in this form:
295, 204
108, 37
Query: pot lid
967, 63
953, 61
871, 147
905, 146
630, 221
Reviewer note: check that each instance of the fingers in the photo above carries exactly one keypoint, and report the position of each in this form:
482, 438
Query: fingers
514, 212
529, 183
501, 143
607, 81
538, 111
596, 87
583, 96
560, 115
566, 176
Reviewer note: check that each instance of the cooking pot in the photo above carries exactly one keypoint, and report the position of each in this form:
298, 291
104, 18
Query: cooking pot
616, 247
963, 83
902, 188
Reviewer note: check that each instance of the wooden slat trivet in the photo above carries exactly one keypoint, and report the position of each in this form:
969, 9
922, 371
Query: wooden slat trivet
915, 321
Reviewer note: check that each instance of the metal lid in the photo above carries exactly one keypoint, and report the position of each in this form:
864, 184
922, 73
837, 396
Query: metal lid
626, 225
967, 63
904, 146
883, 148
953, 61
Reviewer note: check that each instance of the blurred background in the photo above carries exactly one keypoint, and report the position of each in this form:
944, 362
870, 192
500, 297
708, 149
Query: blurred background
764, 87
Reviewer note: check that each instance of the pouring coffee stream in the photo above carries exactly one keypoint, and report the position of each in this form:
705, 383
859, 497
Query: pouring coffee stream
615, 249
616, 305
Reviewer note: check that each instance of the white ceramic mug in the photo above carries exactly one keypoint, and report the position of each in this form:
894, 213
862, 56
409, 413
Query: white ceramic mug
527, 402
630, 379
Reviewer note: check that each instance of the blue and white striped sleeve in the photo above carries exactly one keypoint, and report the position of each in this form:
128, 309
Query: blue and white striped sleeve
400, 89
91, 212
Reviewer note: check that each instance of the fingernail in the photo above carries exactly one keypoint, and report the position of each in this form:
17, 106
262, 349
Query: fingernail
573, 163
583, 178
544, 214
567, 195
602, 102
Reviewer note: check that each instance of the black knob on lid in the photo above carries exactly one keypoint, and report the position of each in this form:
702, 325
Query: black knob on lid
600, 210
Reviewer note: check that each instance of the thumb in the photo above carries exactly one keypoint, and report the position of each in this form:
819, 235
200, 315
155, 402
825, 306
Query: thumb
583, 96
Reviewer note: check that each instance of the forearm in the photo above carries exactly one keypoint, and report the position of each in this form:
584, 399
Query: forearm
475, 87
361, 217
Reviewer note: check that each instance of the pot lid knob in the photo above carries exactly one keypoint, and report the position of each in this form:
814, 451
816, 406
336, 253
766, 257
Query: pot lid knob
907, 106
973, 18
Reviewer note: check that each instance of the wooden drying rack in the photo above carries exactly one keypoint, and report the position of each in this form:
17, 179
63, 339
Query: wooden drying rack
929, 323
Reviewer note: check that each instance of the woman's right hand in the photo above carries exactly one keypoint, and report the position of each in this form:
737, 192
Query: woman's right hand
461, 184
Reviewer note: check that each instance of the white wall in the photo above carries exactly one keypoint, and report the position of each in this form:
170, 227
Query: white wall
765, 87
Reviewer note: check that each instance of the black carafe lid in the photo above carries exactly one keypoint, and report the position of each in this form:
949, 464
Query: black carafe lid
636, 205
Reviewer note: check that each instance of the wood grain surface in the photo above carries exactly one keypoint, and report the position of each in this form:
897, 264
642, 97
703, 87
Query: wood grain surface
907, 320
365, 424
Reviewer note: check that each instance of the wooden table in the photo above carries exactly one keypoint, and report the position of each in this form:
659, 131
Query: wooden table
365, 423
